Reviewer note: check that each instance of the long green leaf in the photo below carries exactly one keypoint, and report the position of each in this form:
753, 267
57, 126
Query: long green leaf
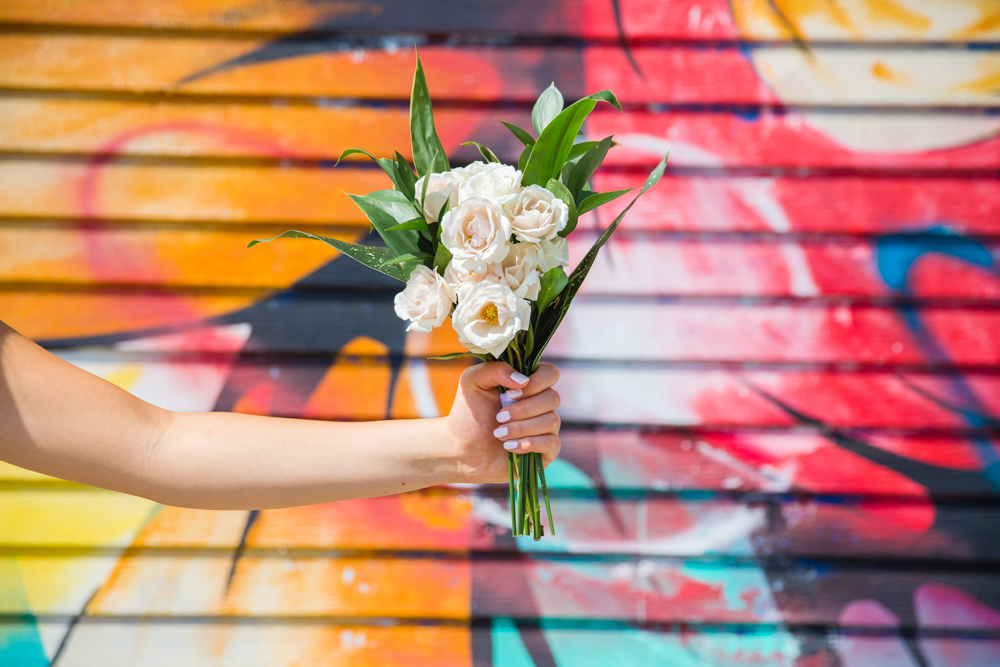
428, 153
520, 133
374, 258
554, 144
547, 106
403, 178
408, 257
417, 224
599, 199
522, 161
560, 190
458, 355
441, 258
552, 283
587, 165
385, 163
388, 208
550, 319
487, 154
579, 149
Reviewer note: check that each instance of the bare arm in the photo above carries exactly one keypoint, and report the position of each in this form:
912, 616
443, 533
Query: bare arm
59, 420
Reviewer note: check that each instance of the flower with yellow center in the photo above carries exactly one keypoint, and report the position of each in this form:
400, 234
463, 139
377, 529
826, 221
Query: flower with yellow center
488, 316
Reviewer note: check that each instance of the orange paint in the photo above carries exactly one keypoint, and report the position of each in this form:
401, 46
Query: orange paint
357, 384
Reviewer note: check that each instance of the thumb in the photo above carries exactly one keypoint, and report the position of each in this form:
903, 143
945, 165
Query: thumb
494, 373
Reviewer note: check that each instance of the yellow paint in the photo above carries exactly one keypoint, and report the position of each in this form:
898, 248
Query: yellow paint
10, 472
882, 71
896, 14
125, 376
71, 518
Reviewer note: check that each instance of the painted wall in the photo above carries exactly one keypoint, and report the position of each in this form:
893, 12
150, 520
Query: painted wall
780, 388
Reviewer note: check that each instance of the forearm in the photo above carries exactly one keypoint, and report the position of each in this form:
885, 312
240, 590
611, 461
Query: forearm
228, 461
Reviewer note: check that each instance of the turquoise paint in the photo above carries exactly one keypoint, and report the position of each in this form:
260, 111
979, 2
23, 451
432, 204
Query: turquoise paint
20, 643
508, 648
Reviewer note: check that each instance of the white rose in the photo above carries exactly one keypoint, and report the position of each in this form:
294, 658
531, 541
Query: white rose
537, 214
476, 234
553, 253
456, 276
488, 316
426, 300
489, 180
441, 188
519, 271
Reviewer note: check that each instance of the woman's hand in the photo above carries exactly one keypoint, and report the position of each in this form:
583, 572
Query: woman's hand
483, 430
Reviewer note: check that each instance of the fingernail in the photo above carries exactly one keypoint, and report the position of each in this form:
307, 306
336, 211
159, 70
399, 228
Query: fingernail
519, 378
500, 432
510, 444
507, 400
513, 393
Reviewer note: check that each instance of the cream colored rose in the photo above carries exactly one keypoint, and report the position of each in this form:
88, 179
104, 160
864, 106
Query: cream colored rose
476, 233
488, 317
519, 270
456, 276
553, 253
441, 188
426, 300
489, 180
537, 214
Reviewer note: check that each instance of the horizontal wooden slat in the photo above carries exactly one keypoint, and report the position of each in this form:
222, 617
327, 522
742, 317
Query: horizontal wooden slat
593, 331
647, 590
863, 204
602, 392
214, 643
453, 520
202, 194
629, 265
905, 77
638, 19
822, 139
313, 196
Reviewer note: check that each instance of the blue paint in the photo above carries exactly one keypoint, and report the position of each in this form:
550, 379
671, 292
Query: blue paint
21, 645
895, 255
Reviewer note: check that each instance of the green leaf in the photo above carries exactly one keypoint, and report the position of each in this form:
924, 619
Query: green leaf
579, 149
385, 163
587, 165
388, 208
599, 199
428, 153
374, 258
404, 179
416, 223
522, 161
520, 133
555, 142
559, 190
441, 258
550, 319
553, 282
458, 355
408, 257
547, 106
487, 154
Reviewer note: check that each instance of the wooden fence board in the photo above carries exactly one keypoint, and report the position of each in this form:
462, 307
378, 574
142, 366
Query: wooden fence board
739, 74
631, 264
638, 19
164, 128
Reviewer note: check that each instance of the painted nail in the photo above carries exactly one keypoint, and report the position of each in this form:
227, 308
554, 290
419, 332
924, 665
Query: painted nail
503, 417
500, 432
506, 400
510, 444
513, 394
519, 378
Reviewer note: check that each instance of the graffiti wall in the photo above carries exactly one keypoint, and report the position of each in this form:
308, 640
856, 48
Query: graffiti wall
781, 396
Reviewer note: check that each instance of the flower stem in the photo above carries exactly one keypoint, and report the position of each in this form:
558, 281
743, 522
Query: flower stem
545, 493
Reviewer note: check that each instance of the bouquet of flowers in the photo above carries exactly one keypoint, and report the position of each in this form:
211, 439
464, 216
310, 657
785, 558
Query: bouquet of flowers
486, 245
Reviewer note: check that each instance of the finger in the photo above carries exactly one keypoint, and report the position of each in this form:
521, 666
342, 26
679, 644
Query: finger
547, 401
547, 445
492, 374
547, 423
543, 378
